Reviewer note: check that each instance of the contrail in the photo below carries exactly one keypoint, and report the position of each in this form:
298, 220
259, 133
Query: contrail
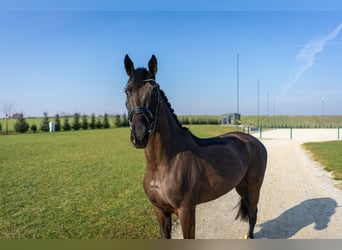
305, 59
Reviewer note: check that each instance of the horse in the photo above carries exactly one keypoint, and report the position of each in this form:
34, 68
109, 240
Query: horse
183, 170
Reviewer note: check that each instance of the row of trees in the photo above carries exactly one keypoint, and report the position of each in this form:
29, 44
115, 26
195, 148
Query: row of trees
77, 122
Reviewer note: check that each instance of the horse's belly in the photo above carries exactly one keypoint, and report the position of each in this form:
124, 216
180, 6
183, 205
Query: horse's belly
215, 187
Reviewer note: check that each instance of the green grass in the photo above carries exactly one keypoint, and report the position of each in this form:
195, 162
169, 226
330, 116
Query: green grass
329, 155
78, 185
84, 184
308, 121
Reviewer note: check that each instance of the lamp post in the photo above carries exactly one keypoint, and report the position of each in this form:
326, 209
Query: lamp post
322, 100
237, 83
258, 102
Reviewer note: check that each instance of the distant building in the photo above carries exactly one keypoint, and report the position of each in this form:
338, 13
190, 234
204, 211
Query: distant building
231, 119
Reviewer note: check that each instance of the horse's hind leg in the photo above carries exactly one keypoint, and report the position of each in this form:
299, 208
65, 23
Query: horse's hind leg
248, 204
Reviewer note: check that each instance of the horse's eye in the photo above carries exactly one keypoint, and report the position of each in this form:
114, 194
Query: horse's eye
154, 92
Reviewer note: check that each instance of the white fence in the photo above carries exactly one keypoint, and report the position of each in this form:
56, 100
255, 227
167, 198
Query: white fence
307, 135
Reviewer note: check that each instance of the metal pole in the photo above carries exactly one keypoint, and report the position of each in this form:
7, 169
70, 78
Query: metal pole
260, 130
291, 133
338, 133
258, 102
322, 99
237, 83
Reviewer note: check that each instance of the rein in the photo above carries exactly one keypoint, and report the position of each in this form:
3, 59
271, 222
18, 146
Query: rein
148, 115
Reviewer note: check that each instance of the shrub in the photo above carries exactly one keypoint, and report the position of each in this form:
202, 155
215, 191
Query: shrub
66, 125
21, 125
124, 121
98, 123
117, 121
57, 123
76, 125
106, 121
45, 123
34, 128
92, 123
84, 124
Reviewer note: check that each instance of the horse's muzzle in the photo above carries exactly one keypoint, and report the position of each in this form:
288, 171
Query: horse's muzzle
139, 133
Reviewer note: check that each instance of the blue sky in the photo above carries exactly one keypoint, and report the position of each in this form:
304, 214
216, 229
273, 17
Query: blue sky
62, 58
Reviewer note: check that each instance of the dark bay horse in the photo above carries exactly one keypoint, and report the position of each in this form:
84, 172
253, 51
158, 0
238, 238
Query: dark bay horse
183, 170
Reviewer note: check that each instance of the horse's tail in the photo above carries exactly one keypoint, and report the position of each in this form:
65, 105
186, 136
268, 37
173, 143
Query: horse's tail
242, 212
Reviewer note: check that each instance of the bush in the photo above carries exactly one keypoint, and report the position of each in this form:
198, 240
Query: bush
84, 124
0, 126
66, 125
76, 125
34, 128
106, 121
45, 123
117, 121
21, 125
124, 121
98, 123
92, 123
57, 123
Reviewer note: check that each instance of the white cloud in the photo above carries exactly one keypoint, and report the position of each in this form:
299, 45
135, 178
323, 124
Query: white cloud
305, 59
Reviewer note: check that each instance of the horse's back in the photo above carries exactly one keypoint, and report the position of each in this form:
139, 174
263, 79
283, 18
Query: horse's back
256, 150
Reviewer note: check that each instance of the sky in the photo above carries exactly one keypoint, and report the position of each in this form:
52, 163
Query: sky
67, 58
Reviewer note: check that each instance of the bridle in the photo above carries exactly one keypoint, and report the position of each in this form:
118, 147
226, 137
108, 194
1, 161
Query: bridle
148, 115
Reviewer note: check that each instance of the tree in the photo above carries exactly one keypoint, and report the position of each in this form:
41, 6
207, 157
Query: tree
117, 121
92, 124
34, 128
105, 121
76, 125
98, 123
66, 125
21, 125
124, 121
84, 123
44, 126
7, 108
57, 123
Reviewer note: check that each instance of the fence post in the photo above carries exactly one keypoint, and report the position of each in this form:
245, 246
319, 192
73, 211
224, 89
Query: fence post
291, 133
338, 133
260, 129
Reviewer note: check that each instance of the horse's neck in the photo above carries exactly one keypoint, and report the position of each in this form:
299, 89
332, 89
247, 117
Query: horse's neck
167, 138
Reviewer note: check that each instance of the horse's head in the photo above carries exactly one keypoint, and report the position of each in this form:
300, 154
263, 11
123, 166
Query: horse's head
142, 101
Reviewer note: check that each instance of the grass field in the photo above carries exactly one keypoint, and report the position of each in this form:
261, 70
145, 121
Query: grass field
78, 185
329, 155
309, 121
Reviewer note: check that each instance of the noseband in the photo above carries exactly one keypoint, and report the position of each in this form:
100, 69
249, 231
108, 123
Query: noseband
148, 115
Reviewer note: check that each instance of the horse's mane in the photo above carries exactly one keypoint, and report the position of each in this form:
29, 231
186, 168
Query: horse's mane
168, 104
200, 141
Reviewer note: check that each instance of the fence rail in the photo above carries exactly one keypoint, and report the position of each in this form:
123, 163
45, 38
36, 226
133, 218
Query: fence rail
303, 134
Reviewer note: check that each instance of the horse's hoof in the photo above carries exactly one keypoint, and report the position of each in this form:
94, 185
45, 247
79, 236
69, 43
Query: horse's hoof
246, 236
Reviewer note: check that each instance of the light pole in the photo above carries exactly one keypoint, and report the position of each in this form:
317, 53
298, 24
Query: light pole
237, 82
322, 100
258, 102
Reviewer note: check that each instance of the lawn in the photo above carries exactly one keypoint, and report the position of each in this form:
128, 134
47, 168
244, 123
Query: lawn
76, 185
329, 155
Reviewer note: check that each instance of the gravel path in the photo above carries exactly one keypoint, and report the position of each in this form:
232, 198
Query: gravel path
298, 198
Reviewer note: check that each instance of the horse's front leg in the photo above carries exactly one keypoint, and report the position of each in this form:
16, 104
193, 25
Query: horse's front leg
187, 220
164, 220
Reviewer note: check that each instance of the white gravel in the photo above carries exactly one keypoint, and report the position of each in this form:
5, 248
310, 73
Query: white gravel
298, 198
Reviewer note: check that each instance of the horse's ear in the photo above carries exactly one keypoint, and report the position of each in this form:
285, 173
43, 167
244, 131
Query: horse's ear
129, 66
152, 65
